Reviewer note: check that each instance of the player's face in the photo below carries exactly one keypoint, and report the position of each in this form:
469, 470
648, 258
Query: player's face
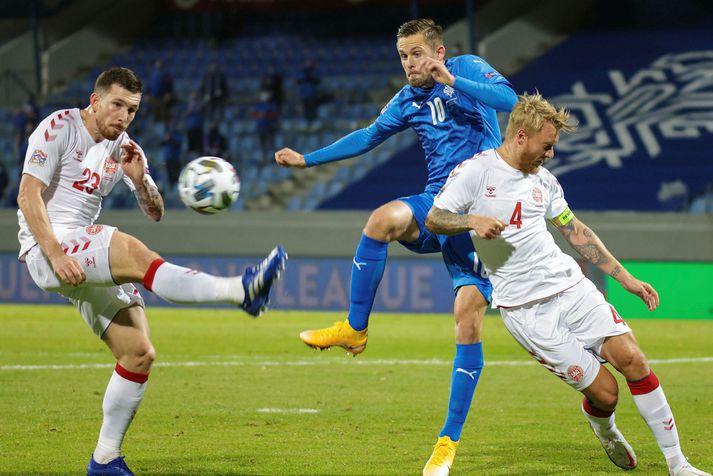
413, 50
538, 148
114, 110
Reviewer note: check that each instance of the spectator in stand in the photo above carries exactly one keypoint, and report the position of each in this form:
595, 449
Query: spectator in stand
4, 180
275, 86
215, 144
308, 83
171, 150
22, 139
214, 91
25, 122
194, 123
161, 91
266, 115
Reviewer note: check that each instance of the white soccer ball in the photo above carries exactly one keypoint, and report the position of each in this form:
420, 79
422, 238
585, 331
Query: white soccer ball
208, 185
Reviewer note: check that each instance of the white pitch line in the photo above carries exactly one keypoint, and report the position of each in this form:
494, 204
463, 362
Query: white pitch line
287, 410
315, 362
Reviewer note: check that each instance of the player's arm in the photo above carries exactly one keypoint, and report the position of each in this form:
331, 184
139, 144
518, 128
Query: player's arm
29, 199
457, 196
356, 143
588, 244
444, 222
495, 93
351, 145
147, 194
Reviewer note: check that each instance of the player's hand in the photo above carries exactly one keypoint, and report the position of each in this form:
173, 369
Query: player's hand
438, 70
132, 161
68, 269
644, 290
486, 227
289, 158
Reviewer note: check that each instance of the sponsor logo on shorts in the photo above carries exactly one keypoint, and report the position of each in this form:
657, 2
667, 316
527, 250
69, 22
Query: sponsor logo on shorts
94, 229
575, 372
38, 158
537, 195
90, 262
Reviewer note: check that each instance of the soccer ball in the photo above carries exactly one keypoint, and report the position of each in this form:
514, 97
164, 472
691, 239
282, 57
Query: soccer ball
208, 185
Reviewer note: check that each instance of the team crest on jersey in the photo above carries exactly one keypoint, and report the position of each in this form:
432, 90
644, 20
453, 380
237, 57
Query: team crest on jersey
575, 372
78, 155
448, 91
537, 195
490, 193
38, 158
110, 165
94, 229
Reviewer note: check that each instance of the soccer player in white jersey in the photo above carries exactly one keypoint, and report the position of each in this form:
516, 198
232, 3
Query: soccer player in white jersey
550, 308
75, 158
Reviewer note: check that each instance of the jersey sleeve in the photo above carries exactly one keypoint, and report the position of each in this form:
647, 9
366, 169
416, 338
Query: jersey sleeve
45, 150
363, 140
557, 208
458, 193
476, 78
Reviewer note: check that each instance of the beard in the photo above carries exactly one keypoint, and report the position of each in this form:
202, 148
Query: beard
108, 132
421, 82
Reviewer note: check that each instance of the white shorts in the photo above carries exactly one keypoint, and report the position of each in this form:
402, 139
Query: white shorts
98, 298
565, 332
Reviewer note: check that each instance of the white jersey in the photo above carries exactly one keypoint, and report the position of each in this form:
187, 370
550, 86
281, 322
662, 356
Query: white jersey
524, 263
77, 170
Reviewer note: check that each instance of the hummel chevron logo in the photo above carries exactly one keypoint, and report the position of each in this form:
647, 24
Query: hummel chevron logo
668, 425
469, 374
54, 124
358, 264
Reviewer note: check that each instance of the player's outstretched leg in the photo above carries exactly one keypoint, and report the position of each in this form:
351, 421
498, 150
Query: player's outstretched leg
441, 460
604, 427
367, 271
183, 285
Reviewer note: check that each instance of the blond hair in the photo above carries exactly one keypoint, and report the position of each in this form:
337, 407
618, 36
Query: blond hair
431, 31
532, 111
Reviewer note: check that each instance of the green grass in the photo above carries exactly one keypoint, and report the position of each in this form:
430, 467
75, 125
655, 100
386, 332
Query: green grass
379, 414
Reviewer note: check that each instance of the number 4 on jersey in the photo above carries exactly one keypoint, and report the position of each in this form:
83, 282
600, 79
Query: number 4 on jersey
516, 218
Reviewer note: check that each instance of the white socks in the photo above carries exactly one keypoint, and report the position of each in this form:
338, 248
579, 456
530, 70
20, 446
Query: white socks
653, 407
181, 285
121, 400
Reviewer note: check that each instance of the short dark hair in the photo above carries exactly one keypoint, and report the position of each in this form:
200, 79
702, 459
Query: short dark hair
432, 32
123, 77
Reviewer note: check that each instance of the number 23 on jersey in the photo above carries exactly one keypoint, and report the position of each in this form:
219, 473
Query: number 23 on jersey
89, 182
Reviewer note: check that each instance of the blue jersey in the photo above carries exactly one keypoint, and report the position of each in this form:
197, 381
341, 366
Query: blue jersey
452, 123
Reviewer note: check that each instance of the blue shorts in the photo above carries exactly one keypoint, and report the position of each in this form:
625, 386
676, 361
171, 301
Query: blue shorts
458, 251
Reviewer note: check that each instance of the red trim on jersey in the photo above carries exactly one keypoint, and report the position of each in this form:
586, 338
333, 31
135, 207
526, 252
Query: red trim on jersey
151, 273
646, 385
594, 411
129, 375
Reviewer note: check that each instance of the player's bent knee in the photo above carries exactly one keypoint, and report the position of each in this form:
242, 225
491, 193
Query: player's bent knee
141, 358
389, 222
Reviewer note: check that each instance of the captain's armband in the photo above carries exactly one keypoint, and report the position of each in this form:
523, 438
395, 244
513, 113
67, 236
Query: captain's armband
563, 218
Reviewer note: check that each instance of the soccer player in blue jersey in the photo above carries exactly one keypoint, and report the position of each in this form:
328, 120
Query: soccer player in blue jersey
452, 106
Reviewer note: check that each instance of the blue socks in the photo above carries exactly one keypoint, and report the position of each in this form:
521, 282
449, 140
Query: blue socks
467, 367
367, 271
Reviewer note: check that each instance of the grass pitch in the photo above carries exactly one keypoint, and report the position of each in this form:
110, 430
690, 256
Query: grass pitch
234, 396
